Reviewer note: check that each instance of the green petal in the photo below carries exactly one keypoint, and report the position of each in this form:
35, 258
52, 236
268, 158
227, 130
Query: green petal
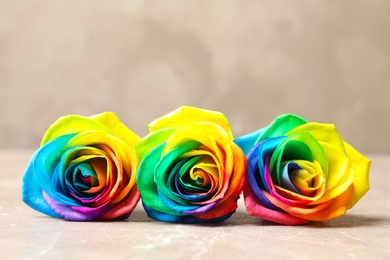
146, 184
326, 133
280, 126
166, 163
298, 146
151, 141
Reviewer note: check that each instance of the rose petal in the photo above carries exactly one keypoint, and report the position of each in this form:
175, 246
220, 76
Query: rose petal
146, 184
106, 122
162, 171
256, 169
326, 133
320, 212
340, 176
187, 115
117, 128
189, 219
302, 146
152, 140
360, 166
246, 142
281, 126
255, 208
32, 191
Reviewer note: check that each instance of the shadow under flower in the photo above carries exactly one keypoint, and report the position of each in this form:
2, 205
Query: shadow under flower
346, 221
349, 221
242, 218
139, 215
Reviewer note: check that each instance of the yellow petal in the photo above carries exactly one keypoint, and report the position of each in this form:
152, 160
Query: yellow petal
340, 176
187, 114
106, 122
326, 133
360, 166
112, 122
208, 134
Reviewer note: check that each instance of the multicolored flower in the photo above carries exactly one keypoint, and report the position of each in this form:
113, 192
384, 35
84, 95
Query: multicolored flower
301, 171
84, 170
190, 169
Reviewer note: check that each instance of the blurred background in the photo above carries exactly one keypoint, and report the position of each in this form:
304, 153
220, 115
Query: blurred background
327, 61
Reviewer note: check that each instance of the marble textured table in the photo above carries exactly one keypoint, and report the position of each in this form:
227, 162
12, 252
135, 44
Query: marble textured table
363, 233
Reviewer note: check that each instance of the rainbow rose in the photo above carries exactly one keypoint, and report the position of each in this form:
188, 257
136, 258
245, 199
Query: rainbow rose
84, 170
190, 169
300, 172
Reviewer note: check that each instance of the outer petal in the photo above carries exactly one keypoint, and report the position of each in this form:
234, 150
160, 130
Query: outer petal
340, 176
112, 122
37, 177
109, 212
326, 133
255, 208
161, 216
281, 126
106, 123
238, 177
68, 213
205, 133
186, 114
44, 163
151, 141
325, 211
123, 209
360, 166
32, 191
246, 142
223, 210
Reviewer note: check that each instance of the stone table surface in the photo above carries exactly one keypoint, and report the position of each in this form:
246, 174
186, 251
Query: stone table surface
363, 233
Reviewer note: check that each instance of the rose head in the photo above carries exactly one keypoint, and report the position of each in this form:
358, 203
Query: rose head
84, 170
300, 172
190, 169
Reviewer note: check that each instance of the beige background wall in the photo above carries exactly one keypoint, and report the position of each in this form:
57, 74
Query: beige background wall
327, 61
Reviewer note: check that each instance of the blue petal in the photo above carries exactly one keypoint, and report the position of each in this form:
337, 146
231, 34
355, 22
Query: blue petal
246, 142
255, 171
286, 181
187, 219
47, 158
34, 181
173, 204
